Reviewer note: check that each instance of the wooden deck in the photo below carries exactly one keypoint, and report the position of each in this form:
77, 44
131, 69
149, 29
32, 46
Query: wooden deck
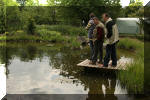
121, 65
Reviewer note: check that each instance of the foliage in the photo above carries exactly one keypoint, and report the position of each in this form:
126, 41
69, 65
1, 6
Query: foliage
31, 26
69, 14
3, 38
130, 44
74, 43
64, 29
135, 9
14, 20
134, 76
2, 19
47, 35
22, 2
9, 2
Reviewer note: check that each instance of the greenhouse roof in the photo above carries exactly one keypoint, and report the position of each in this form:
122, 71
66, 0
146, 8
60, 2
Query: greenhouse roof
148, 4
135, 19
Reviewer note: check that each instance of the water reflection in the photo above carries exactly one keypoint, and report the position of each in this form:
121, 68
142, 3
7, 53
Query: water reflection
2, 81
37, 69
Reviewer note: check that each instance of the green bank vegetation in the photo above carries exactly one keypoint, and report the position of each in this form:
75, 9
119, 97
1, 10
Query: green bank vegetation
47, 33
134, 76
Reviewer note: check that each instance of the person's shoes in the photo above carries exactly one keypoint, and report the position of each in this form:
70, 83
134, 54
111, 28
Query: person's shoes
100, 65
105, 66
100, 62
92, 63
113, 65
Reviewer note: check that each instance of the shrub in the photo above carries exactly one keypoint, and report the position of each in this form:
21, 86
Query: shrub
50, 35
64, 29
3, 38
31, 26
73, 42
2, 20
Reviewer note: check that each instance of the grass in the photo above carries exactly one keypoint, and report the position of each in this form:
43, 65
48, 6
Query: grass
130, 44
134, 76
74, 42
22, 37
130, 35
64, 29
48, 33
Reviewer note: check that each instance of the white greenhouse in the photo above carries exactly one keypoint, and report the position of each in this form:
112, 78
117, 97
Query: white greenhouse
128, 25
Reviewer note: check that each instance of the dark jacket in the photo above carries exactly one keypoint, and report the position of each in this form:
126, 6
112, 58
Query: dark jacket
109, 27
112, 35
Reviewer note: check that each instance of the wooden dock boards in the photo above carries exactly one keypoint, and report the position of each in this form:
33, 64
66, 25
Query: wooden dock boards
121, 65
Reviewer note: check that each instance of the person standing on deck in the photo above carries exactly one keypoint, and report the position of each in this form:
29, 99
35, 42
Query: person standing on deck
90, 27
112, 38
98, 39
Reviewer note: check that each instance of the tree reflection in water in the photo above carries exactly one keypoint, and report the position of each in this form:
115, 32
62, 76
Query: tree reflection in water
63, 59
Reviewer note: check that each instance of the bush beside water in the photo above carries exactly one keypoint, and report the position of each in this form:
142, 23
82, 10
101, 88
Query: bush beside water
64, 29
47, 33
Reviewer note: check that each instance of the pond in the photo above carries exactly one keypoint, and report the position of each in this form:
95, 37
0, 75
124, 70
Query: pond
51, 69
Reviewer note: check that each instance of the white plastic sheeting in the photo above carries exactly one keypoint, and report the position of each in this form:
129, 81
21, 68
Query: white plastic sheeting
148, 4
128, 25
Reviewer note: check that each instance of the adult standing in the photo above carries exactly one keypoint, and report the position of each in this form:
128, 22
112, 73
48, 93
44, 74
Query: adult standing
98, 39
112, 37
90, 27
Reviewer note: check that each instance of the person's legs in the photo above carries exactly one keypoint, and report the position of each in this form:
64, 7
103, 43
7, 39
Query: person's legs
107, 56
92, 49
113, 55
100, 51
94, 58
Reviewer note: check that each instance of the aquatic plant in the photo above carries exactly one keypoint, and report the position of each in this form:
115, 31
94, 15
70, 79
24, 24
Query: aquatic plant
133, 77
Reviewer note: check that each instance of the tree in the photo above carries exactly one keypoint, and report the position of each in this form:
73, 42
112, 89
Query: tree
22, 2
136, 9
2, 18
9, 2
132, 1
82, 8
53, 2
31, 26
133, 9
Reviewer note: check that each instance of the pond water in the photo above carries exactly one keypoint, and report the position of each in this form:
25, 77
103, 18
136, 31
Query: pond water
51, 69
2, 81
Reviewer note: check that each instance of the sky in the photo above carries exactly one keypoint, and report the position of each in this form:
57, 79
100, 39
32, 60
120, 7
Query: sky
123, 2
